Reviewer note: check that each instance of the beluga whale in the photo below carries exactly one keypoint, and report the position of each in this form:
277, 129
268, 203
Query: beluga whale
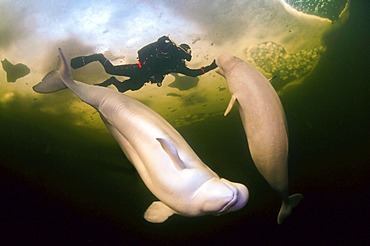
265, 125
168, 166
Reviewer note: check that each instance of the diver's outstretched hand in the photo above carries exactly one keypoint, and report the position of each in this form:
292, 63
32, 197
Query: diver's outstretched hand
213, 65
210, 67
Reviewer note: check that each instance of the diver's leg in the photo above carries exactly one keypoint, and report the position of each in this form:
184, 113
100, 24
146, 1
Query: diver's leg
123, 86
81, 61
130, 84
121, 70
127, 70
112, 80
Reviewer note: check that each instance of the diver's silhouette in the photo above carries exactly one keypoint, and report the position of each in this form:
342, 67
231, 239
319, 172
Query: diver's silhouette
156, 60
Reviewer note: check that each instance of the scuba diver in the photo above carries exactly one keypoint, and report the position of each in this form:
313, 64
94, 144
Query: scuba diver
155, 61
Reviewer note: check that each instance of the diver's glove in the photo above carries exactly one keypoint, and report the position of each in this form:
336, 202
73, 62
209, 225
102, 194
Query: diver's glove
212, 66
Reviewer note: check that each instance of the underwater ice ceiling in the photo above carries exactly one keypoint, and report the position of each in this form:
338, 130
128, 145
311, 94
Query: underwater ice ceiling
282, 38
330, 9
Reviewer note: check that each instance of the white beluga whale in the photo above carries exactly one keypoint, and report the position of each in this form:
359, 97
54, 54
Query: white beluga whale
168, 166
264, 123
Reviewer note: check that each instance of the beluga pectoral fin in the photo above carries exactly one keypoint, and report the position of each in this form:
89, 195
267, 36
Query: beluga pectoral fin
158, 212
231, 104
172, 152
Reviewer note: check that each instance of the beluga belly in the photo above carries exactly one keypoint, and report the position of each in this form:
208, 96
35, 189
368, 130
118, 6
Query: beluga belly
264, 122
166, 163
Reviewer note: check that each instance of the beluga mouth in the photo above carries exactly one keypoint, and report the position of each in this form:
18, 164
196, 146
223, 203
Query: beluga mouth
230, 204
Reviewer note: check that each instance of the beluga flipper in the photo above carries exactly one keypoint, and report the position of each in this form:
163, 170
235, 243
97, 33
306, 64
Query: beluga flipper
264, 122
166, 163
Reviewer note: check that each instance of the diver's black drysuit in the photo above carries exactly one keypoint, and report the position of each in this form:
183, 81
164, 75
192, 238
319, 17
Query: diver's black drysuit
155, 61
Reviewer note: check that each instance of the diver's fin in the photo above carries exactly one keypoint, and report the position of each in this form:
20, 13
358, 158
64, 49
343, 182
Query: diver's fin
78, 62
172, 153
230, 106
286, 209
158, 212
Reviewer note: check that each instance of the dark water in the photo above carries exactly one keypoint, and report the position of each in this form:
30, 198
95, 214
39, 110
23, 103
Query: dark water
63, 197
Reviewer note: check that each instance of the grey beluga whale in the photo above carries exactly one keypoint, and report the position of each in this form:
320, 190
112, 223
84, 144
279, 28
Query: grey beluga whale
265, 125
168, 166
